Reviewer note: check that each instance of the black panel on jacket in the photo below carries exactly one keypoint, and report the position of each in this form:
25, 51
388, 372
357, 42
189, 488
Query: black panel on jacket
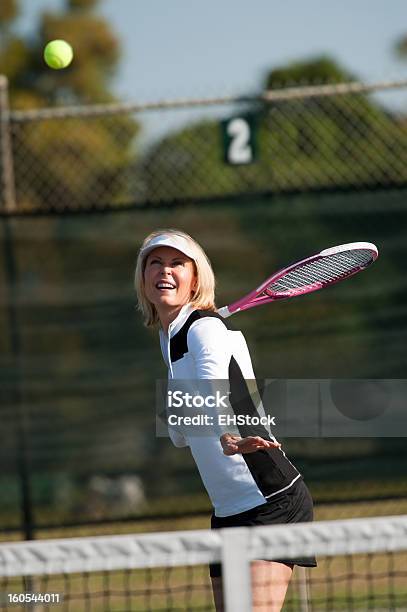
178, 344
269, 467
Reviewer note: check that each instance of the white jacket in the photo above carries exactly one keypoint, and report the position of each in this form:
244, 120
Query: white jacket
200, 346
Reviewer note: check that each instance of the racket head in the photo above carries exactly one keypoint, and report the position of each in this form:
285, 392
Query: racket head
326, 268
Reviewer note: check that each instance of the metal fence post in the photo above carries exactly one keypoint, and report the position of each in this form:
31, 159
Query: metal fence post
8, 194
21, 426
9, 205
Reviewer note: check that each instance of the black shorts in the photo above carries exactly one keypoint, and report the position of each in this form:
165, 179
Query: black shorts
291, 506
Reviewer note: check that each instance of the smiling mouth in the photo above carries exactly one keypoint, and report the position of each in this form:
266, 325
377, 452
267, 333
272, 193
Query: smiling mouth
164, 285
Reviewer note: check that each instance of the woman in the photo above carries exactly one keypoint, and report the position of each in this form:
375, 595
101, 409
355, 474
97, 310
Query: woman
248, 477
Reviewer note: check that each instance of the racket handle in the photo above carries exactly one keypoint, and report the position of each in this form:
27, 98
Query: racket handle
224, 312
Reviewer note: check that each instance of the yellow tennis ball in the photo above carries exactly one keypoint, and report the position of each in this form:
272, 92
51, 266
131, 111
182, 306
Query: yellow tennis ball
58, 54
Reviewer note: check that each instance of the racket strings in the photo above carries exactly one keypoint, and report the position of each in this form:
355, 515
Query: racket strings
322, 271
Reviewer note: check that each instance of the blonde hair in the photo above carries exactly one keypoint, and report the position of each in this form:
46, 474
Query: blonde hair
204, 293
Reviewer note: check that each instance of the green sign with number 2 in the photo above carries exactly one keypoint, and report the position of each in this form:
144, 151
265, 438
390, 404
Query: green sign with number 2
239, 140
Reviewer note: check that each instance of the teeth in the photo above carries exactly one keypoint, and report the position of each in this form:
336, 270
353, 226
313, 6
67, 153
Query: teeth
164, 286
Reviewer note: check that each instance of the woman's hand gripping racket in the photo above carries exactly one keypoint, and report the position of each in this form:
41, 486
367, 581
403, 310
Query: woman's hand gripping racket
326, 268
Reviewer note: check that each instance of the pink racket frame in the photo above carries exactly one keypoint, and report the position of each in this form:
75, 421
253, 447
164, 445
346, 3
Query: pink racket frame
255, 297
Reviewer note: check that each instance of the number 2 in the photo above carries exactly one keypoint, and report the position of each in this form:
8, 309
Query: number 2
239, 150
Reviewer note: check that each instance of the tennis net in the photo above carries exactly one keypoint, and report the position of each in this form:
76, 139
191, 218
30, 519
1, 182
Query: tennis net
362, 565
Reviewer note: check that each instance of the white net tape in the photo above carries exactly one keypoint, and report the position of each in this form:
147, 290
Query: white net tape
105, 553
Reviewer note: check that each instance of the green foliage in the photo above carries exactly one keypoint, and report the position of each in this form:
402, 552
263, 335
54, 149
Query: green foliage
307, 143
15, 59
78, 161
96, 54
81, 4
8, 12
401, 47
75, 160
321, 69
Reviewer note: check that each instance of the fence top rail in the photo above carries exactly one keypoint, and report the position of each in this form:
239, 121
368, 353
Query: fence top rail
103, 553
270, 96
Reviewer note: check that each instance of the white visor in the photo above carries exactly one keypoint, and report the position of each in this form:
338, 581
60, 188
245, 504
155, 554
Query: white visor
169, 240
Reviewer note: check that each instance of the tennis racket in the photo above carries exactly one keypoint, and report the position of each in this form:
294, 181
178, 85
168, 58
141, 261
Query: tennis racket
326, 268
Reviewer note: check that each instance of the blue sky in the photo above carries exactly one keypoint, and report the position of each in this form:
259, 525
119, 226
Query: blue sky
186, 48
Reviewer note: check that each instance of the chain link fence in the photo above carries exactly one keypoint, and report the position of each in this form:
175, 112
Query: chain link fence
77, 442
329, 137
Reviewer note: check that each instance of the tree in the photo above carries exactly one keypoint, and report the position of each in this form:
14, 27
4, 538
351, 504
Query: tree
70, 163
340, 140
401, 47
8, 12
304, 144
321, 69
